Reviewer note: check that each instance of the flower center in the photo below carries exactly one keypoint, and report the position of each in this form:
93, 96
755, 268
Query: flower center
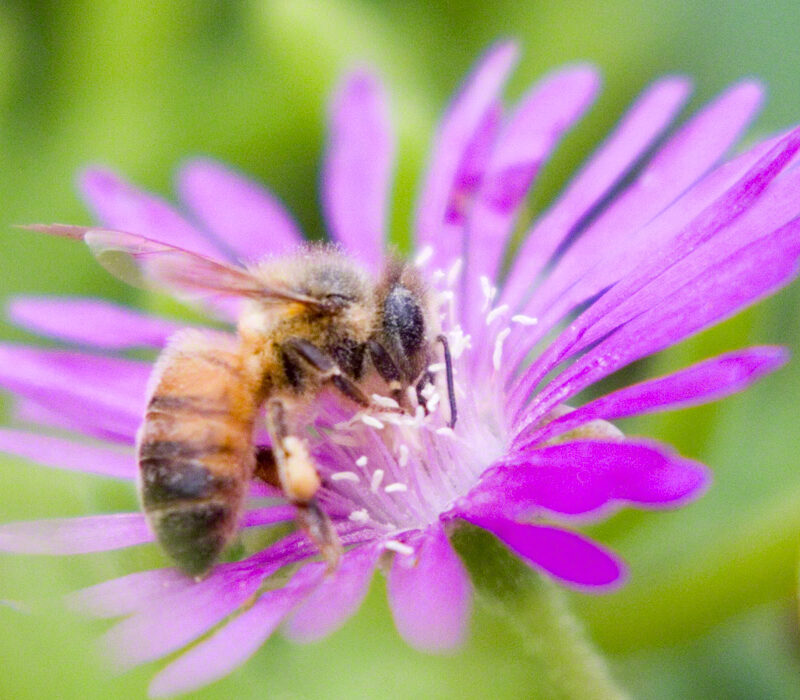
397, 471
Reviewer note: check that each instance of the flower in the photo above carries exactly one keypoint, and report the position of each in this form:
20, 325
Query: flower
600, 281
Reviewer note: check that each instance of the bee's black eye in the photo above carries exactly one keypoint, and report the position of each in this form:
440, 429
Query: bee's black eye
403, 320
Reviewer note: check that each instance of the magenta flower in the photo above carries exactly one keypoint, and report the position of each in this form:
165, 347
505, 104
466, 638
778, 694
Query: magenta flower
599, 282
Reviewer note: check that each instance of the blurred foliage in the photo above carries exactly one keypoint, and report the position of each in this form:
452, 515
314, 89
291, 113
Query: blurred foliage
139, 86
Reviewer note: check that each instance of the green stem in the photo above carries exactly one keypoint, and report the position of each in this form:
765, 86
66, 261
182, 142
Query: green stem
564, 664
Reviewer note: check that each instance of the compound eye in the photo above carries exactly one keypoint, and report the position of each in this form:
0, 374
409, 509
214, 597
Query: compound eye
403, 320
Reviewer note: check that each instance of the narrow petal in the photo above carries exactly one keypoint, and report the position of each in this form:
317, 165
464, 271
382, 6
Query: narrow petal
524, 144
119, 205
60, 536
270, 515
680, 162
66, 454
336, 598
645, 120
233, 643
358, 165
163, 623
585, 477
127, 594
245, 217
464, 118
751, 209
702, 212
748, 275
572, 558
100, 324
175, 619
102, 396
706, 381
430, 593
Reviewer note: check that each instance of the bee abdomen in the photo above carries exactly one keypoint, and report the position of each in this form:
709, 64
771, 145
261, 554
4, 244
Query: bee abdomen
196, 455
194, 534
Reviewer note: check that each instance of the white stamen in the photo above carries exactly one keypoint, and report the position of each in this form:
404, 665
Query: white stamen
494, 313
497, 355
398, 547
433, 402
424, 256
411, 392
524, 320
458, 342
402, 458
384, 401
372, 422
444, 297
437, 276
454, 272
437, 367
361, 461
395, 487
445, 431
375, 484
359, 516
427, 391
345, 476
489, 292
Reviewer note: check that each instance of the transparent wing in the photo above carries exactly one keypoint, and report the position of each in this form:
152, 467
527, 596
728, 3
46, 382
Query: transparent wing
142, 262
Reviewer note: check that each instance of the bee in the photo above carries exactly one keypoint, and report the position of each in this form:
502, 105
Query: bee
308, 322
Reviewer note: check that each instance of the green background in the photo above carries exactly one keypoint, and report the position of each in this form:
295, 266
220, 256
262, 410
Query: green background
711, 609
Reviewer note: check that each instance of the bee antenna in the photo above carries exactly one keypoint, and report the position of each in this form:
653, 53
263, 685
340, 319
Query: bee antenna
451, 389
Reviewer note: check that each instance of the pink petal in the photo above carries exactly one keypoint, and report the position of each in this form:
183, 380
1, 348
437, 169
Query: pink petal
716, 200
572, 558
679, 163
163, 623
268, 516
358, 164
754, 206
430, 594
100, 395
66, 454
244, 216
127, 594
232, 644
583, 477
645, 120
175, 619
119, 205
91, 322
524, 144
60, 536
336, 598
749, 274
465, 117
706, 381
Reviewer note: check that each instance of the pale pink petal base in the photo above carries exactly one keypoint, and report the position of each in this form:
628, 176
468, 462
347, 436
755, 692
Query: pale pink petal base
430, 593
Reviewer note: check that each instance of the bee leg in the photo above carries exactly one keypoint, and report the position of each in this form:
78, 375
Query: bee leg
266, 466
319, 528
325, 369
387, 368
297, 475
425, 380
451, 388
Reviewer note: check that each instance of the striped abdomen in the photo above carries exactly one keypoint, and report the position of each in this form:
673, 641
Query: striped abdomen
196, 453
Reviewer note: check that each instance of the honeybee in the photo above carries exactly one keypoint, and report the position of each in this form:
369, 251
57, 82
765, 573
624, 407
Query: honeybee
308, 321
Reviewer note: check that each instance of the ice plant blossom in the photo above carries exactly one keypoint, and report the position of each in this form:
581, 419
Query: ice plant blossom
598, 282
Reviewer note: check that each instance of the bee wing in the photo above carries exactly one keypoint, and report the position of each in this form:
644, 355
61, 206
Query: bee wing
142, 262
